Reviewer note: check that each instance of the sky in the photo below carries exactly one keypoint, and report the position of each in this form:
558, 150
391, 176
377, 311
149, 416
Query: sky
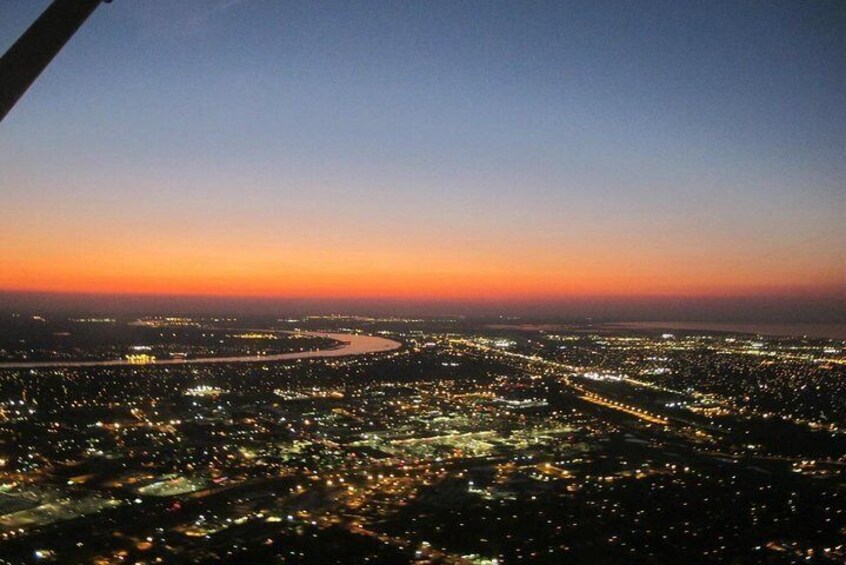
475, 154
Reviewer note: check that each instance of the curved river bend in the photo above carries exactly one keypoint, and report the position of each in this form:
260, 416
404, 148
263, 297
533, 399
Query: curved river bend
351, 344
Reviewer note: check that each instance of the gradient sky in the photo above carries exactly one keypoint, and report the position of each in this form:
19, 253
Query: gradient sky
432, 151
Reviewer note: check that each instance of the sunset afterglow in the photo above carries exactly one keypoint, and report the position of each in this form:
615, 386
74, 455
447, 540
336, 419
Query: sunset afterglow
309, 162
477, 282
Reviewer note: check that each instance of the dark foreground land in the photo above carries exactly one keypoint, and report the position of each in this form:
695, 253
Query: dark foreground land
472, 444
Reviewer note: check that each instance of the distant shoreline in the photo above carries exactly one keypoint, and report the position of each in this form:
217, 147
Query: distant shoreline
821, 331
827, 331
349, 344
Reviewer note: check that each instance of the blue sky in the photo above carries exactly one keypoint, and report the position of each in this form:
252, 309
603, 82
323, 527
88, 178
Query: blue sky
570, 140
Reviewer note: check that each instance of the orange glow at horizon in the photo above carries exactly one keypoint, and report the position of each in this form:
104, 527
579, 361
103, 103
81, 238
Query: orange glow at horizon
415, 273
328, 248
542, 157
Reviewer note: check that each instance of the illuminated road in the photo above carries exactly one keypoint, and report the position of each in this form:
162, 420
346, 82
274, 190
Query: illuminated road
351, 344
630, 410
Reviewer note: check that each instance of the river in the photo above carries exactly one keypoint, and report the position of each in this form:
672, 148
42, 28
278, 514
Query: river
351, 344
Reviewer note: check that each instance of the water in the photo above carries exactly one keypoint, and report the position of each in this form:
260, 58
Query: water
831, 331
351, 344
